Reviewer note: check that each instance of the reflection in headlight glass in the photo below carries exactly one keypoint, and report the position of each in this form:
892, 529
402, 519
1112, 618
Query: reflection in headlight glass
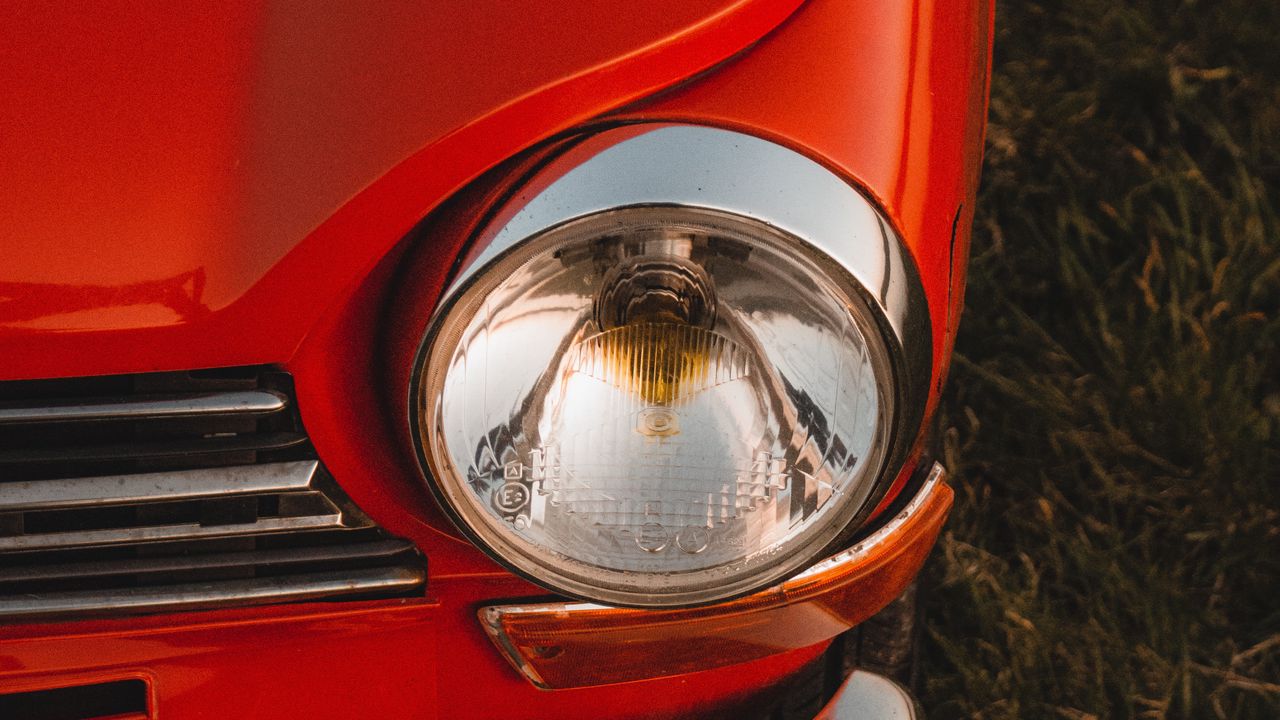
656, 400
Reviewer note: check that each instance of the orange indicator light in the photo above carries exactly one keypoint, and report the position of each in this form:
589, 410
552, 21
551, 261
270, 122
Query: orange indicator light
567, 644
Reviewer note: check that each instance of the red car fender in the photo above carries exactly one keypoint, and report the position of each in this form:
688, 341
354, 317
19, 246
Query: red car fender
291, 255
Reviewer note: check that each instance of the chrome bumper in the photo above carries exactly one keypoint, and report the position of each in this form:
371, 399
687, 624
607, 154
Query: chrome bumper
867, 696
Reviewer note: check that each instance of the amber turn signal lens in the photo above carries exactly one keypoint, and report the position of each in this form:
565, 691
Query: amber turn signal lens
567, 645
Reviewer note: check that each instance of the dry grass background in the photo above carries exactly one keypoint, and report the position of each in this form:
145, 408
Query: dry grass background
1113, 418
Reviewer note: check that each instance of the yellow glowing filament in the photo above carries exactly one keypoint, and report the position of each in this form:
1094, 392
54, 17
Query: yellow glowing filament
663, 363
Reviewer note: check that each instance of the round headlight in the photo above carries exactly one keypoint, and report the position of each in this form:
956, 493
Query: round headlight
656, 404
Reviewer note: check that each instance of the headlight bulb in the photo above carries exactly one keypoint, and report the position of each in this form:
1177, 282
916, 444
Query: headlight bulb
648, 389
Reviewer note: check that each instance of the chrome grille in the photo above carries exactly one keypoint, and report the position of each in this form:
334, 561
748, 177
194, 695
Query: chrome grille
176, 491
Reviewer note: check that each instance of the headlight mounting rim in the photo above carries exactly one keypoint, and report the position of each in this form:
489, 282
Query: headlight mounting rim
903, 329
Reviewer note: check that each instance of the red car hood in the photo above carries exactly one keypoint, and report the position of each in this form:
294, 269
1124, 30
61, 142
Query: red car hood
178, 176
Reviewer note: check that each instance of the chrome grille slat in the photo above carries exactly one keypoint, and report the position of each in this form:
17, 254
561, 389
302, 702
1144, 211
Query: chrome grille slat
152, 450
176, 491
370, 551
155, 487
199, 596
155, 533
252, 402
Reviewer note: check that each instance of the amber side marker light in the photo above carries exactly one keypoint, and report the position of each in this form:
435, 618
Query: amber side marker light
567, 645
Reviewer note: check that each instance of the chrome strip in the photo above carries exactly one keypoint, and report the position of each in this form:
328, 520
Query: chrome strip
366, 552
937, 476
202, 595
154, 487
254, 402
156, 533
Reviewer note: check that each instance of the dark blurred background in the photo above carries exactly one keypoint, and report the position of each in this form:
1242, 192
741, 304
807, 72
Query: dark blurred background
1113, 413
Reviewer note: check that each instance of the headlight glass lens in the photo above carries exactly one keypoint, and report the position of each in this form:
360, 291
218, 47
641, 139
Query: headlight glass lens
655, 406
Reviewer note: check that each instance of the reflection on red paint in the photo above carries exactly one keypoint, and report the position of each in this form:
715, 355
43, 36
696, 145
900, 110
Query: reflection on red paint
46, 306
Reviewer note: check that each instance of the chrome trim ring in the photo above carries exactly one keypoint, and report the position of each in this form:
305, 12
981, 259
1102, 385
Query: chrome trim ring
737, 174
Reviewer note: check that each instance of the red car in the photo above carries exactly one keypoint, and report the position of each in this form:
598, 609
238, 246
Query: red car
473, 360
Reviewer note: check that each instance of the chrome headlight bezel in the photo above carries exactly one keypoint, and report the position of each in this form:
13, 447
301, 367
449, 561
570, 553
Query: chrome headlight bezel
706, 171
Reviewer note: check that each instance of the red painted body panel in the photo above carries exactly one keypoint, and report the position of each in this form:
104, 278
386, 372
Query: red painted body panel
194, 186
389, 659
201, 191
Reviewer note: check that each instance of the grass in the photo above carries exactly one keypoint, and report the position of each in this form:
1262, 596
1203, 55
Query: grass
1113, 413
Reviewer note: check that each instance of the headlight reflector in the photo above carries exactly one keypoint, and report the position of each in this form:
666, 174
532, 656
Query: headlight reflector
656, 405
